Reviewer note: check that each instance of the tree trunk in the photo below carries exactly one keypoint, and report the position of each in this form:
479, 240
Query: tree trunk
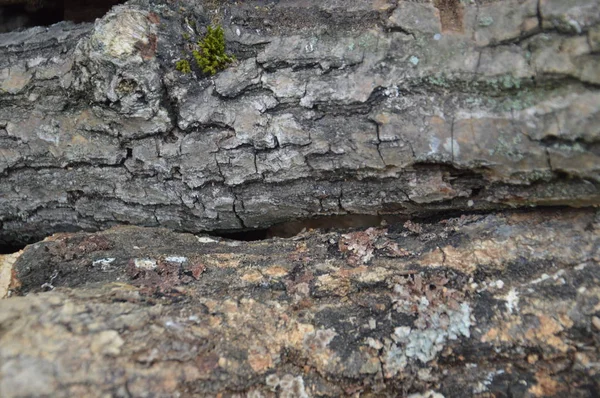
331, 108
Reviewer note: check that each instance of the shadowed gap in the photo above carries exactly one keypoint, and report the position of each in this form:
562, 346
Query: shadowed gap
290, 229
22, 14
11, 248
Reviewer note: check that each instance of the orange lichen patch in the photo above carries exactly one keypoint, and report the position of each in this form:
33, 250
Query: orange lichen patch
154, 18
565, 321
532, 358
382, 5
466, 259
229, 307
547, 333
546, 386
215, 321
301, 247
8, 278
296, 334
434, 258
340, 280
148, 50
223, 260
79, 140
276, 271
349, 272
451, 14
259, 359
253, 276
340, 286
503, 333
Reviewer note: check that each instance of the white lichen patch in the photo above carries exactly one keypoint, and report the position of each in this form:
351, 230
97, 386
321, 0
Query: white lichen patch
288, 386
452, 146
512, 300
483, 385
176, 259
557, 276
445, 325
320, 339
427, 394
121, 32
440, 317
103, 263
206, 239
145, 263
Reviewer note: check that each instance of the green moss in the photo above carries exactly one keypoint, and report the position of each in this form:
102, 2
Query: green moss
183, 66
212, 57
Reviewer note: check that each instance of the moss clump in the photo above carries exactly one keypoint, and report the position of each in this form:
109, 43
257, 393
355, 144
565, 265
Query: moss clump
211, 57
183, 66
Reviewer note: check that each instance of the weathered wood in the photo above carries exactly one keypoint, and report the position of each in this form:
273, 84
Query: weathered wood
353, 107
502, 305
333, 108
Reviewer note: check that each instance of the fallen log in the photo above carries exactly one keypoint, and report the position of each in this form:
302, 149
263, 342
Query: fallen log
485, 305
332, 108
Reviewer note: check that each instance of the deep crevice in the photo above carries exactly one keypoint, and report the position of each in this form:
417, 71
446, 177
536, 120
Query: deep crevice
22, 14
289, 229
9, 248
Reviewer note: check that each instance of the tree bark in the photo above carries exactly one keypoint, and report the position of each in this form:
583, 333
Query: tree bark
501, 305
332, 108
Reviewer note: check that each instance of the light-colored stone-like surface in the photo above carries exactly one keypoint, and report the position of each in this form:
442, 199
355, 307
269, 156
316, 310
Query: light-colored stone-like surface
374, 305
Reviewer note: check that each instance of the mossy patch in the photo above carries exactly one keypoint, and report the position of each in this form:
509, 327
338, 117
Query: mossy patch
212, 57
183, 66
209, 54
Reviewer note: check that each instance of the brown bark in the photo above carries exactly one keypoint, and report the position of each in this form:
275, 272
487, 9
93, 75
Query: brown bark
498, 305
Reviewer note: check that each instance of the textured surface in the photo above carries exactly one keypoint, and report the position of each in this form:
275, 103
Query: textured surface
502, 305
334, 107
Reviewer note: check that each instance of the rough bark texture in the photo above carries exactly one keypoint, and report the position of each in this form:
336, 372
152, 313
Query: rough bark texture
504, 305
334, 107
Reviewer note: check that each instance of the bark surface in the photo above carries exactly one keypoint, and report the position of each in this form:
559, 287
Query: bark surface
332, 108
502, 305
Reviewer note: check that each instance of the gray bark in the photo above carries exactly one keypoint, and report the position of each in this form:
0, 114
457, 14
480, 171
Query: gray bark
332, 108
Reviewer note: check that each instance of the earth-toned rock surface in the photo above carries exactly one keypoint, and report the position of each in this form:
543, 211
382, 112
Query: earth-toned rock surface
333, 107
503, 305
